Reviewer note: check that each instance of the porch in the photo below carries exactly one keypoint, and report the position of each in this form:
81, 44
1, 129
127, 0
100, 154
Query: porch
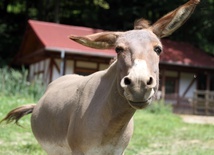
202, 103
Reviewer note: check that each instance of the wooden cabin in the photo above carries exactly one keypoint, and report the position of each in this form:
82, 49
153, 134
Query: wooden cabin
49, 54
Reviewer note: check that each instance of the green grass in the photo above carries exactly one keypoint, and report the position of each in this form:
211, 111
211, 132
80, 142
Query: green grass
157, 132
166, 134
15, 140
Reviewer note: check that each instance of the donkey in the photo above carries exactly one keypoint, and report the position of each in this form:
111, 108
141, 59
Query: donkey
93, 115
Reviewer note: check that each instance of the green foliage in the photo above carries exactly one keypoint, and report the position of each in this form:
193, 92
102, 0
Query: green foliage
103, 14
101, 3
159, 107
14, 82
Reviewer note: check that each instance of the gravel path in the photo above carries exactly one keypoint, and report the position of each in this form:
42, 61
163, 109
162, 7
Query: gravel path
198, 119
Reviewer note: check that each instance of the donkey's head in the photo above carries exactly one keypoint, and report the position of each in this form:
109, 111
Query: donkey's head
138, 53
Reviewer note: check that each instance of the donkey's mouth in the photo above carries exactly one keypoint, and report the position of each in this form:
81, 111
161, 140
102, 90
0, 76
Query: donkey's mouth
140, 104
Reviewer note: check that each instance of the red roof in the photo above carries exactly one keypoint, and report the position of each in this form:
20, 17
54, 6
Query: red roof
55, 36
181, 53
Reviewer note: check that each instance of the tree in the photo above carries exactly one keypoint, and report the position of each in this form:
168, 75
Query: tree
103, 14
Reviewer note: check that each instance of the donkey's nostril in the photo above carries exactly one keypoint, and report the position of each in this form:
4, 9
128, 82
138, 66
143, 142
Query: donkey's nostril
150, 81
127, 81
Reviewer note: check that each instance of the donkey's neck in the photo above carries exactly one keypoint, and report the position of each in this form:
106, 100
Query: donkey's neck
117, 112
116, 99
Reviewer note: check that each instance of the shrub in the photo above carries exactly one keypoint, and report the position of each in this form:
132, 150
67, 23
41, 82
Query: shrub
159, 107
14, 82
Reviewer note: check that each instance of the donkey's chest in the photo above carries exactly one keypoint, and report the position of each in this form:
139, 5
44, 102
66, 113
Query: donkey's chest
107, 144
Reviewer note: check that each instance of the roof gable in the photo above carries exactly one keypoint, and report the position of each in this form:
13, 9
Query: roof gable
53, 36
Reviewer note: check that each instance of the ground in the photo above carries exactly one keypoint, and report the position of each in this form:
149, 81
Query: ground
197, 119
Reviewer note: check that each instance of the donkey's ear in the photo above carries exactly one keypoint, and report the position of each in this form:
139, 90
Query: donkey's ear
102, 40
173, 20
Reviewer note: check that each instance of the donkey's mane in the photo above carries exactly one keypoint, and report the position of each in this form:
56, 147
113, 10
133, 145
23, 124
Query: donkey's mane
141, 24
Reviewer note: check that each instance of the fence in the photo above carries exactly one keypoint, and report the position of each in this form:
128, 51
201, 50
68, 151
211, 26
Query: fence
203, 102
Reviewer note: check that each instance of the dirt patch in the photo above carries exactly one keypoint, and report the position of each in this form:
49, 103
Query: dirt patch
198, 119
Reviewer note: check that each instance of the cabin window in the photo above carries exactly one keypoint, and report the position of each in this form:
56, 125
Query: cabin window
202, 79
85, 64
84, 71
85, 67
171, 85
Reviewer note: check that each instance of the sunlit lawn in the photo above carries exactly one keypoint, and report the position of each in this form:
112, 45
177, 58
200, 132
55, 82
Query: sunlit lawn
155, 134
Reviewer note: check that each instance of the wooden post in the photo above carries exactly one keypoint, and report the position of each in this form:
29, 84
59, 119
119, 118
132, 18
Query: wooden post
177, 87
194, 102
163, 84
208, 82
206, 101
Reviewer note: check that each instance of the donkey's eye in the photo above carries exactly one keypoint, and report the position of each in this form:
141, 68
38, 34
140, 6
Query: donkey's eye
158, 49
119, 49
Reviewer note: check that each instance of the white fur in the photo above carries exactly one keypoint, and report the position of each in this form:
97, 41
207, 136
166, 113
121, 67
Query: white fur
140, 70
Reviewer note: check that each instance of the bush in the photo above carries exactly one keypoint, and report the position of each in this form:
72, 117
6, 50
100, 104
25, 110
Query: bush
14, 82
159, 107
